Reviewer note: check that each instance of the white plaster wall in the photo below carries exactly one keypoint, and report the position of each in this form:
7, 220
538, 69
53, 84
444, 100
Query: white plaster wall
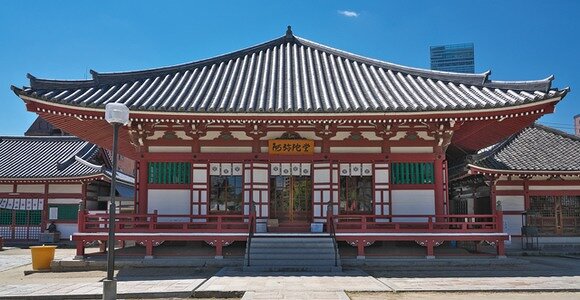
355, 149
382, 176
411, 149
30, 188
64, 201
413, 202
199, 176
322, 175
555, 187
309, 135
512, 202
66, 229
5, 188
169, 202
241, 135
226, 149
169, 149
509, 188
512, 224
260, 176
65, 188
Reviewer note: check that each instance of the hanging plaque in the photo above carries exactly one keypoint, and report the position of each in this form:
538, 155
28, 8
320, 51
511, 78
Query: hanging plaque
291, 147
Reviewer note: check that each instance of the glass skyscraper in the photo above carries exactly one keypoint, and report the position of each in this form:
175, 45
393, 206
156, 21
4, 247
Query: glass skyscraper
453, 58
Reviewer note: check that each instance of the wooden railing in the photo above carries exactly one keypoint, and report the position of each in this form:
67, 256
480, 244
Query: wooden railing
419, 223
332, 231
127, 223
251, 231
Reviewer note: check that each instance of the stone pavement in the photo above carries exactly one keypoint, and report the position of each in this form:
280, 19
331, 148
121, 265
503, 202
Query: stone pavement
530, 274
93, 290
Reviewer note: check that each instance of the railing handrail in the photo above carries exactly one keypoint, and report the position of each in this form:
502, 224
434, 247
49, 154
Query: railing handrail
251, 230
332, 231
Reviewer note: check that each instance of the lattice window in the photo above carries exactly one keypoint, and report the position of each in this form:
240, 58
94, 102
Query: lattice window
169, 172
412, 173
571, 206
542, 206
226, 193
5, 216
356, 194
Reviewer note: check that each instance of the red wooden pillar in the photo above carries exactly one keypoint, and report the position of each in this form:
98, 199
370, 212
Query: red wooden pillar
527, 203
141, 196
219, 246
500, 249
430, 249
439, 185
149, 249
361, 250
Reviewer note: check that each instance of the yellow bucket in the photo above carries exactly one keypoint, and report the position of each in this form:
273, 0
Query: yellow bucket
42, 256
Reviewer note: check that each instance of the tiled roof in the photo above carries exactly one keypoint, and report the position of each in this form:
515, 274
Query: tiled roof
536, 148
45, 157
291, 74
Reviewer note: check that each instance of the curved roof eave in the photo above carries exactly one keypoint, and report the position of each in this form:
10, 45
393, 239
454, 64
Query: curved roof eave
291, 74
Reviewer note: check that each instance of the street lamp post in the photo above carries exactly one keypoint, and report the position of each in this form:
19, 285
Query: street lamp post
116, 114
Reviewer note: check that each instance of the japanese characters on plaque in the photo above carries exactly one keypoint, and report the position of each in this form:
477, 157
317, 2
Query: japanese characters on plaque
291, 147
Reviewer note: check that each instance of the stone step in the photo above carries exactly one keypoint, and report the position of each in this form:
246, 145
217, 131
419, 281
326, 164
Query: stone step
291, 253
292, 269
293, 239
290, 245
288, 256
308, 251
291, 262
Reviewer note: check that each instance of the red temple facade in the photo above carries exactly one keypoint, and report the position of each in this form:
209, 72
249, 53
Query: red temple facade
292, 136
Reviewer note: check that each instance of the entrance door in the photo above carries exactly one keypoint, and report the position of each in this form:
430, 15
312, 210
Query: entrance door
291, 199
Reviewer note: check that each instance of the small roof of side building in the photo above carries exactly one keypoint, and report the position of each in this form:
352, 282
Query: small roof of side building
51, 158
290, 74
535, 150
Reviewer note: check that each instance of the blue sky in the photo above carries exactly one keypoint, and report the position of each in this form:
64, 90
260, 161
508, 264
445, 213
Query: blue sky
517, 40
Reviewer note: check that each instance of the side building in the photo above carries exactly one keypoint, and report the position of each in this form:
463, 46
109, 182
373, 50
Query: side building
534, 175
49, 178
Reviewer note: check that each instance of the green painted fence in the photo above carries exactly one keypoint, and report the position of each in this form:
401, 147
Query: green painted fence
412, 173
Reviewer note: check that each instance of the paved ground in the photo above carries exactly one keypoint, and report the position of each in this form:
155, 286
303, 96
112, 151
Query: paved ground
558, 275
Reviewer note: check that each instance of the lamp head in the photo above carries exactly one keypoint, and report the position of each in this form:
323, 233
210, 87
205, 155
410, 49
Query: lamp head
117, 113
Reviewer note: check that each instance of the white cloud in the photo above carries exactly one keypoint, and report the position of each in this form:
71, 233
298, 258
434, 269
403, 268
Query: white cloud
348, 13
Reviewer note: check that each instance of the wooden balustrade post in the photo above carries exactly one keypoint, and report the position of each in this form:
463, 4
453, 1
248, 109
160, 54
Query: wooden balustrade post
80, 249
81, 221
329, 212
430, 223
219, 224
499, 220
153, 220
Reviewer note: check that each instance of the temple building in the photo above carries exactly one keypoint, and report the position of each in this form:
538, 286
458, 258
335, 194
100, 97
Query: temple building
534, 174
291, 136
